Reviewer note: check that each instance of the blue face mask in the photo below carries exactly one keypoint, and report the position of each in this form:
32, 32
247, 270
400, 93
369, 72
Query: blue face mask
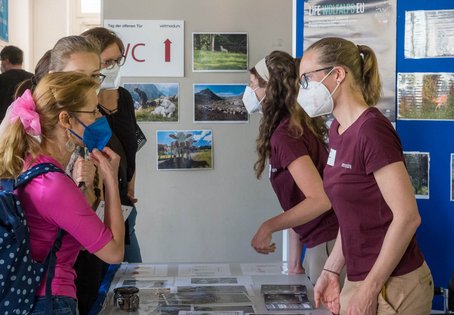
96, 135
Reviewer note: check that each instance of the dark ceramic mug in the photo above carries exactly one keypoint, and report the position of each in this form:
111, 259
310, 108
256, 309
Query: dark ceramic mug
126, 298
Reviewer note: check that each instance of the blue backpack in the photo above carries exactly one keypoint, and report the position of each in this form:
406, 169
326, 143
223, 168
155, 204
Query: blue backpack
20, 275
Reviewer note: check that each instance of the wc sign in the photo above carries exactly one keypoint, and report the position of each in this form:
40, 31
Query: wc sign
153, 48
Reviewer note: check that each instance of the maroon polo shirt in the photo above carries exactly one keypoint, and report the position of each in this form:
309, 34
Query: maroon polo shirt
369, 144
284, 150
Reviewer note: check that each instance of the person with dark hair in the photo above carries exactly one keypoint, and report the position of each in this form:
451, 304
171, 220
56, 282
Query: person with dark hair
368, 186
12, 75
117, 104
293, 145
45, 127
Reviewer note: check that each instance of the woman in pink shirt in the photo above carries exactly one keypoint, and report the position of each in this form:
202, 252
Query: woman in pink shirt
369, 188
44, 128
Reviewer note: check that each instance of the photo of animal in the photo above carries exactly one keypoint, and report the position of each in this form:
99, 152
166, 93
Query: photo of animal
425, 96
184, 149
219, 52
155, 102
219, 103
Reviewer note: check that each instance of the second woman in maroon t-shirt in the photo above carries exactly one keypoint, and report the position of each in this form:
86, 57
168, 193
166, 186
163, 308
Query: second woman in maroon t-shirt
293, 144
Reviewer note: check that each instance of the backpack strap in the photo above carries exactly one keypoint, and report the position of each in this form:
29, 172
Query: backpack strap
34, 171
50, 261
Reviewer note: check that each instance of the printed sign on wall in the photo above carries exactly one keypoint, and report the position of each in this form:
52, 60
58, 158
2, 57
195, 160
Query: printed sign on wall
153, 48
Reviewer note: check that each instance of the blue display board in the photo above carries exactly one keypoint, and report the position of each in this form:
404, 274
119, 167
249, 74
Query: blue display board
4, 20
436, 233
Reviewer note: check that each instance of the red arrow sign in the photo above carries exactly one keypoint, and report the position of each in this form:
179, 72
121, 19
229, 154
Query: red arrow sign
167, 43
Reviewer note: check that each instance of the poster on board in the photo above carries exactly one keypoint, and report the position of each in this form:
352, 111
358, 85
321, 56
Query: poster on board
4, 20
153, 48
155, 102
184, 149
418, 164
369, 22
219, 52
219, 103
425, 96
429, 34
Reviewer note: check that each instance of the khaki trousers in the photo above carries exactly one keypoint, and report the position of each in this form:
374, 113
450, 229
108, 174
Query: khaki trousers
315, 258
409, 294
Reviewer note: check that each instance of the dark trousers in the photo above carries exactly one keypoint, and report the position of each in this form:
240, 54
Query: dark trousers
90, 272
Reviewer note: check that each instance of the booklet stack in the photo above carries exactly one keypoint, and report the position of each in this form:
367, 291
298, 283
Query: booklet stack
285, 297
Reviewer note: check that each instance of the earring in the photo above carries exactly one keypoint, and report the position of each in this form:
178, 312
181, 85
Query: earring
70, 146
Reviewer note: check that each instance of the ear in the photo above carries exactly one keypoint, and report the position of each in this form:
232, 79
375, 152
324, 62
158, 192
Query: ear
340, 73
64, 119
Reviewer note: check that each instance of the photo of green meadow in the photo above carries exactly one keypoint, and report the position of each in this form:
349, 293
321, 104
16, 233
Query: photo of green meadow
217, 52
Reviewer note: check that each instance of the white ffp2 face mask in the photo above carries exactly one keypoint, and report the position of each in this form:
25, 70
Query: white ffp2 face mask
112, 80
250, 100
316, 100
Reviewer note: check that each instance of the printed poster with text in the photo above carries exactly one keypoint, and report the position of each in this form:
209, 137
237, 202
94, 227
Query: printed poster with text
153, 48
371, 23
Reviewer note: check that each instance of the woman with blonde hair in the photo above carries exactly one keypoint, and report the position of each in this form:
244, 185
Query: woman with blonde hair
45, 127
368, 185
293, 145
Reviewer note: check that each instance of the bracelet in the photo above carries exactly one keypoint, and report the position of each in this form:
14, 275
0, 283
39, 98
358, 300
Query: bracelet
333, 272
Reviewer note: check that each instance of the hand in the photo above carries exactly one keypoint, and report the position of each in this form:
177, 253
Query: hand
262, 241
107, 162
131, 194
84, 171
363, 302
327, 291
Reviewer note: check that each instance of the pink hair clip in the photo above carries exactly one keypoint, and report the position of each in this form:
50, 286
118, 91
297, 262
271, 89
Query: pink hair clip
24, 108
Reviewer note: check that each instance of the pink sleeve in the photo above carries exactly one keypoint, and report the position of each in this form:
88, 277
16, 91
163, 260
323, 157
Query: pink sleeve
63, 204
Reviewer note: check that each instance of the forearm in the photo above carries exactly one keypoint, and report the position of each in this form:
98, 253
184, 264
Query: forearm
336, 260
113, 216
305, 211
295, 251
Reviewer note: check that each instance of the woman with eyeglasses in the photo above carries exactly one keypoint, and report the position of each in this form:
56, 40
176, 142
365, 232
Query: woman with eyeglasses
79, 54
116, 103
44, 127
293, 145
369, 187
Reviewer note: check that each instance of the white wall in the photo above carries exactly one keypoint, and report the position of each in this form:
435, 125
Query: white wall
207, 215
20, 24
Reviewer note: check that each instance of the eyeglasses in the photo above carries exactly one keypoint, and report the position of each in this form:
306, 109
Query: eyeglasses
94, 112
304, 80
98, 77
109, 64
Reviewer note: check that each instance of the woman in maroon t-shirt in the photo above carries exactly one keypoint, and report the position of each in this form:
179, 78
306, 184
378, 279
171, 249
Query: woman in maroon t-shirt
368, 185
293, 144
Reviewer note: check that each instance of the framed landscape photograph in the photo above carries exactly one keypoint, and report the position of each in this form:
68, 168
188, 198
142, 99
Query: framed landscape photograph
418, 168
219, 103
184, 149
155, 102
218, 52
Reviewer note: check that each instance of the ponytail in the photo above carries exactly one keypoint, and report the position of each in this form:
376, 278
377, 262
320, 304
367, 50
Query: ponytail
371, 85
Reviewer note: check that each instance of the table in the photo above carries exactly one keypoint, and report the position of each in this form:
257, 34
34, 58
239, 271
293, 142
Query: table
148, 277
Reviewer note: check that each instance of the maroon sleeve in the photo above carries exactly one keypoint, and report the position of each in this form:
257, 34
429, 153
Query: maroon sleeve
288, 148
379, 144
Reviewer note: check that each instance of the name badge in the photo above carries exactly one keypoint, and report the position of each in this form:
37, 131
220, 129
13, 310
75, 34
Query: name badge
331, 157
